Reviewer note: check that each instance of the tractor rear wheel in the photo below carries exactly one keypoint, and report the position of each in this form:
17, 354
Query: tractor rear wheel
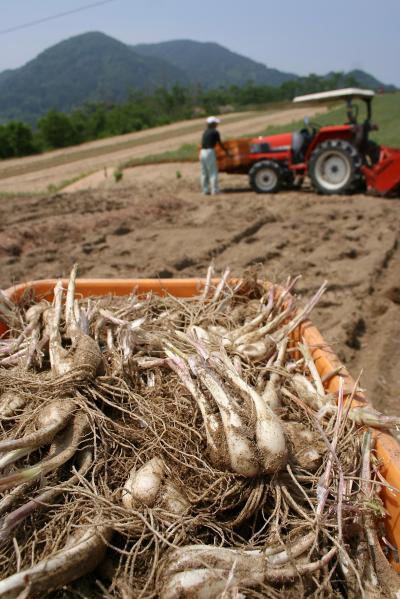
265, 176
334, 166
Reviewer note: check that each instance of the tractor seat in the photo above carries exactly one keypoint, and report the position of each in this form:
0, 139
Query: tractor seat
369, 149
300, 141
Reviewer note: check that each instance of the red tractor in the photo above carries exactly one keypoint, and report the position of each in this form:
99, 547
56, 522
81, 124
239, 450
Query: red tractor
337, 158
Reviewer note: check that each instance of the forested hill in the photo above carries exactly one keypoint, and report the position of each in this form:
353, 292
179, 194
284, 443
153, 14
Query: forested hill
93, 67
88, 67
370, 82
212, 65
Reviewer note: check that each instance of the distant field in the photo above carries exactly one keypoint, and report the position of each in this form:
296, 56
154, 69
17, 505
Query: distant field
39, 172
102, 147
386, 112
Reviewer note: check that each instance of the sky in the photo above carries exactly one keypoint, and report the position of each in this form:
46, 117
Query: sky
297, 36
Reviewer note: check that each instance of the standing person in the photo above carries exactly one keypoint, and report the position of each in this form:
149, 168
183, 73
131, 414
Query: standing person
208, 160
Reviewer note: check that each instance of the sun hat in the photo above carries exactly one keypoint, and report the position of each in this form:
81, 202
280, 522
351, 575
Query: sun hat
212, 119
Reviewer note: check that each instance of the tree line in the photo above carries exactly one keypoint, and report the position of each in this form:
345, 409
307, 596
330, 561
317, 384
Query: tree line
142, 111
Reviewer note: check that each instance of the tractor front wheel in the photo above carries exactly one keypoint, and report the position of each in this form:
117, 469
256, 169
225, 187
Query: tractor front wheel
334, 166
265, 176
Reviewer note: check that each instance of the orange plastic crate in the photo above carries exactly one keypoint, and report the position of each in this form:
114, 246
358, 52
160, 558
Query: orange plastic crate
387, 448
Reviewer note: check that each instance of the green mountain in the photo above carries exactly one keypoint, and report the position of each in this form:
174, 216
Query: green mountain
212, 65
95, 67
88, 67
361, 79
369, 81
4, 75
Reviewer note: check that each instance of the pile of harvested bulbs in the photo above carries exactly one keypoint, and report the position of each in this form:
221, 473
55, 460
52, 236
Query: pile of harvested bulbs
159, 447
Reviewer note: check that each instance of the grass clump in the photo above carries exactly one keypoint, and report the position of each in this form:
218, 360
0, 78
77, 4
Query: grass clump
118, 174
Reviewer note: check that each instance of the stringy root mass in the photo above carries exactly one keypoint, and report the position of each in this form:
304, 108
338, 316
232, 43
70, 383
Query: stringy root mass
181, 447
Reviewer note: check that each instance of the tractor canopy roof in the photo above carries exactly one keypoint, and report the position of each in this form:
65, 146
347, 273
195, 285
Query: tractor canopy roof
348, 93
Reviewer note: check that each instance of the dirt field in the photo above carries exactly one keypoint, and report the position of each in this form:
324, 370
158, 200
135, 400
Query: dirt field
155, 223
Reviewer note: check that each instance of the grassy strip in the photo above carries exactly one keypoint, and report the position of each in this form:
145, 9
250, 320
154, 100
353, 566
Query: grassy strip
186, 153
54, 188
51, 189
385, 112
12, 195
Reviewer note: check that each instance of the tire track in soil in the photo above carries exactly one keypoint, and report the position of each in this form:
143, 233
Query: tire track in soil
219, 249
370, 339
376, 335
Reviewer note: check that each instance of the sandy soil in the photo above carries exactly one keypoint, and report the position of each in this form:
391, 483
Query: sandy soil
155, 223
36, 173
